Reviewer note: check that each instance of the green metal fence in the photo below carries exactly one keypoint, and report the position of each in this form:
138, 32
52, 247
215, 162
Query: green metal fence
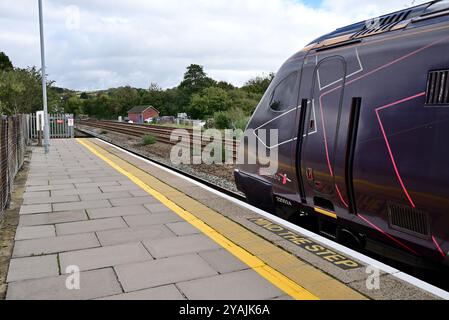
61, 126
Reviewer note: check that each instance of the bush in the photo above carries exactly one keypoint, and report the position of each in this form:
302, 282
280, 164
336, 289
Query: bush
148, 139
241, 123
232, 119
104, 132
222, 120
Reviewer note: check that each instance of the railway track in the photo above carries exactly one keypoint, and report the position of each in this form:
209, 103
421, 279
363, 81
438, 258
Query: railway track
230, 193
162, 134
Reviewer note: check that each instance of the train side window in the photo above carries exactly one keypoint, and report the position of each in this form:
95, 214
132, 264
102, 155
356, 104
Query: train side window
284, 94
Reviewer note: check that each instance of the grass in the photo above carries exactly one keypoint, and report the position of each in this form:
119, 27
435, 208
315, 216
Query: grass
148, 139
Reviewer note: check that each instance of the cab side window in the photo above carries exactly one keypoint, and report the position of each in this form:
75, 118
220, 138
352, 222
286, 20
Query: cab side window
284, 94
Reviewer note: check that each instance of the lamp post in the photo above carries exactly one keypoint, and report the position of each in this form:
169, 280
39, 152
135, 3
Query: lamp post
44, 81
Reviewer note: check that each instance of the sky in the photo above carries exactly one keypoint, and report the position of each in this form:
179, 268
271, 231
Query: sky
98, 44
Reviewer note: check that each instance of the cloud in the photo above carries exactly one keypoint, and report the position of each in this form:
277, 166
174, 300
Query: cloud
98, 44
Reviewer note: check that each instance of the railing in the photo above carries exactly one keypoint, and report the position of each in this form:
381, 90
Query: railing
61, 126
13, 141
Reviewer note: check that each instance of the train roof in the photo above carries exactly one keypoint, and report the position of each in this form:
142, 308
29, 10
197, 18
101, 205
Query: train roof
386, 22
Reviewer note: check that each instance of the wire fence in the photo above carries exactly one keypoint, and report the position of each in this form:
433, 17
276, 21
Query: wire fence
14, 138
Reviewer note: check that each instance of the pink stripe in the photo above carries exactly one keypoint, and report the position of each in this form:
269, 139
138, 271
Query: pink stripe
402, 101
387, 235
341, 197
438, 246
398, 60
327, 154
325, 139
393, 161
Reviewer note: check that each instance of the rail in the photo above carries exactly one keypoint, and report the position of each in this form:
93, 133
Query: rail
162, 134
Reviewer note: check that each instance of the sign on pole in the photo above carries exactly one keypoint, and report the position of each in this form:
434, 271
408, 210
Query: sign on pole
40, 120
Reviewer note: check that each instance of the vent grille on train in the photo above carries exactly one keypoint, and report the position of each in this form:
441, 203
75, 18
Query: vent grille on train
408, 220
437, 93
383, 24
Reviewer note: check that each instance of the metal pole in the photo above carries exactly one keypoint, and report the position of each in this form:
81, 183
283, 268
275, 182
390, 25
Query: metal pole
44, 80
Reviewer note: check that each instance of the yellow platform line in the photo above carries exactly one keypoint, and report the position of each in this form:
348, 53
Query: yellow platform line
276, 278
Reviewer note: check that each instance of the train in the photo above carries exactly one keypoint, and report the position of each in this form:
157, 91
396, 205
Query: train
362, 119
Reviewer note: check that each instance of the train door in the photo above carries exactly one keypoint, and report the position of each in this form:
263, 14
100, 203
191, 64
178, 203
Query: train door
320, 126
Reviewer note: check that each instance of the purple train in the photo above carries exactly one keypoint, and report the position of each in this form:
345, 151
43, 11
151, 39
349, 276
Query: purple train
363, 146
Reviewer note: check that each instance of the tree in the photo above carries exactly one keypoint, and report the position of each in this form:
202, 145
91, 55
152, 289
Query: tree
259, 84
5, 63
127, 98
225, 85
154, 87
198, 107
210, 100
175, 101
155, 97
21, 92
244, 100
195, 80
84, 96
74, 105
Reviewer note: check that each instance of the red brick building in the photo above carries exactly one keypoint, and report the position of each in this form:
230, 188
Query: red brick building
142, 113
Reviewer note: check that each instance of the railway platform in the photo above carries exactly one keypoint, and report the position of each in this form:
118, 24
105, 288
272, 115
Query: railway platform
129, 229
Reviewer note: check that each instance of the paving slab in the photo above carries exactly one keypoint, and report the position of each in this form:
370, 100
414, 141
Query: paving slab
104, 196
138, 193
151, 219
169, 292
52, 218
242, 285
136, 234
48, 175
182, 228
34, 232
37, 247
96, 184
161, 272
94, 204
93, 284
37, 194
80, 192
133, 201
53, 181
50, 187
97, 258
51, 199
117, 212
223, 261
107, 189
161, 248
286, 298
35, 208
90, 226
156, 208
33, 268
111, 178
